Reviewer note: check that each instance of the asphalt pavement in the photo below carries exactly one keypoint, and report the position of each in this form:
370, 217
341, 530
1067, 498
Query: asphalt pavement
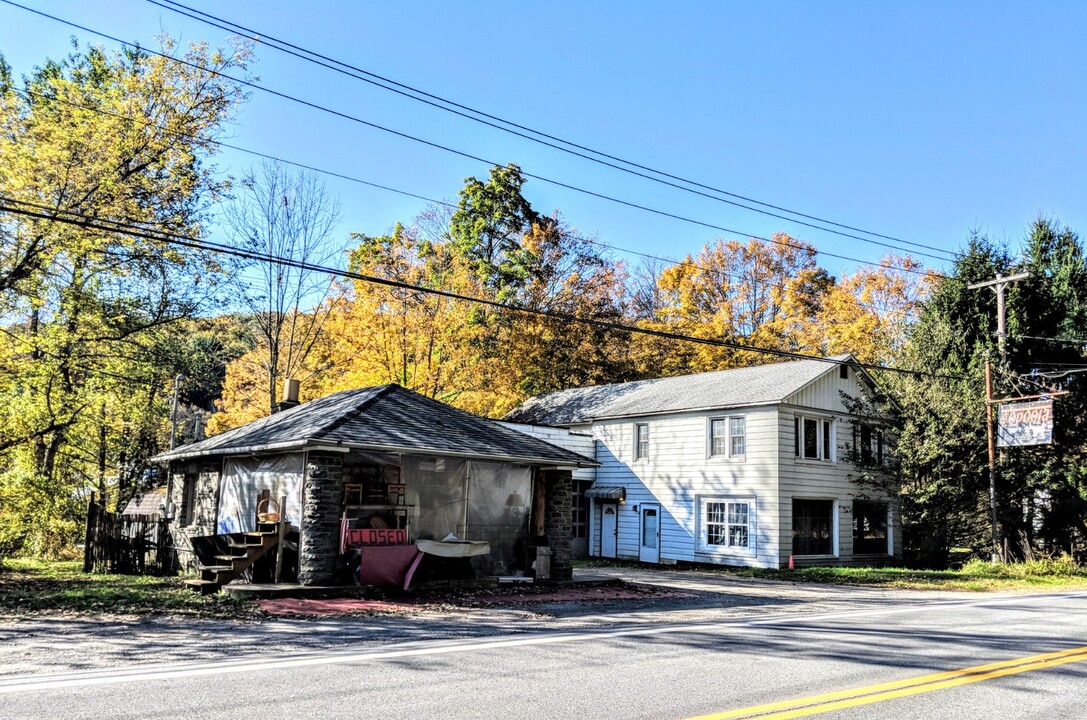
833, 652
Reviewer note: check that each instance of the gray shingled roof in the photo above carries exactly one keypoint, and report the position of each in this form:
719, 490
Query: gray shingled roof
758, 385
388, 418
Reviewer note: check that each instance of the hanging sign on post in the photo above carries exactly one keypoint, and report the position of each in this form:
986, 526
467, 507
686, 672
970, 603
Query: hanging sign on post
1025, 423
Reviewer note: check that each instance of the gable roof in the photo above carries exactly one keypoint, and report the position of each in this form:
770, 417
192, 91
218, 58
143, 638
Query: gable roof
150, 502
387, 418
739, 387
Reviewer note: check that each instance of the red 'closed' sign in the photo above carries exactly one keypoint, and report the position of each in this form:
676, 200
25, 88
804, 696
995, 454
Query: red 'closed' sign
374, 536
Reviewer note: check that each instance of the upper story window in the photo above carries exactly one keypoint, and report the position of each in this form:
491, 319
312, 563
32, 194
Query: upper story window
814, 438
868, 443
728, 436
641, 441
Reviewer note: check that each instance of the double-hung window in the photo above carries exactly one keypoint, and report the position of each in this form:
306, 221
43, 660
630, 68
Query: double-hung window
728, 524
728, 436
641, 441
814, 438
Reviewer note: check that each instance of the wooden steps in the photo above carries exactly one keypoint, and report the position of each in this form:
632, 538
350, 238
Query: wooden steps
253, 547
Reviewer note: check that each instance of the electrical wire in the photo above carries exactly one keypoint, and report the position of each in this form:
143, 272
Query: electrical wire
93, 371
445, 148
1070, 341
529, 133
10, 205
312, 168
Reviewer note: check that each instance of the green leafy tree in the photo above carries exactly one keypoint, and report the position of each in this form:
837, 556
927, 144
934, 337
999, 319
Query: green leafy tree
942, 442
487, 227
113, 137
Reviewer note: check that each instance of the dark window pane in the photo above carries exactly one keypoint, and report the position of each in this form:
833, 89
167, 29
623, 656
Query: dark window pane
865, 448
580, 507
811, 438
812, 527
869, 528
826, 440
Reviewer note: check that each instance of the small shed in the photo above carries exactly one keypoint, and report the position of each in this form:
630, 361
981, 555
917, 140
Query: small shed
377, 458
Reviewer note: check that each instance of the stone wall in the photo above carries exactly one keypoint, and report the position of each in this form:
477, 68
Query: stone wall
558, 522
320, 528
203, 479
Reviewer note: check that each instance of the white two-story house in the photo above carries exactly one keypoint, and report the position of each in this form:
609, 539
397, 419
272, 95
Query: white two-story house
750, 466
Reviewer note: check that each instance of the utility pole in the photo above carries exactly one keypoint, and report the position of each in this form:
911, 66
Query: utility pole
992, 458
997, 284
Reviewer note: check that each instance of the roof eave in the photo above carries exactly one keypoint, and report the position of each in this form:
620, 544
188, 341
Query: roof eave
579, 461
286, 446
309, 444
677, 411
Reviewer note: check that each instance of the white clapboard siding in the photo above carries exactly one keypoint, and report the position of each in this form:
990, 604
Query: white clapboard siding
580, 442
821, 479
678, 471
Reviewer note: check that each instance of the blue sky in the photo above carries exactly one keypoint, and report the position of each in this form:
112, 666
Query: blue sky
919, 120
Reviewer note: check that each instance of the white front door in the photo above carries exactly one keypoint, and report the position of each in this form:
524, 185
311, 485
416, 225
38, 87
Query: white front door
650, 549
609, 528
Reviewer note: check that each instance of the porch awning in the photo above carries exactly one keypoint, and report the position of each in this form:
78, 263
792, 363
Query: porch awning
612, 494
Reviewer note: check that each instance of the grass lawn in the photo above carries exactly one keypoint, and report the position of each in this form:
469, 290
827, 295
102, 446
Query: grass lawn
978, 576
54, 587
29, 587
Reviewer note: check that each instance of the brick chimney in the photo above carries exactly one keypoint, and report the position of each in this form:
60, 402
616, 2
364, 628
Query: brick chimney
290, 396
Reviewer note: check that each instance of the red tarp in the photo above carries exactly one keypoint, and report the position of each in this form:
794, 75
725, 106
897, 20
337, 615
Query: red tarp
388, 565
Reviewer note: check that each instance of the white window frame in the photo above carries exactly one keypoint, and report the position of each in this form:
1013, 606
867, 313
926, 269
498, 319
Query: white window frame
704, 546
835, 526
727, 420
637, 441
823, 453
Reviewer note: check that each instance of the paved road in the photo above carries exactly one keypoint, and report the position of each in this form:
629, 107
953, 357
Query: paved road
1001, 657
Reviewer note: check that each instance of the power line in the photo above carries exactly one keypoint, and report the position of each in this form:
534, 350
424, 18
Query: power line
1071, 341
530, 134
93, 371
445, 148
134, 230
312, 168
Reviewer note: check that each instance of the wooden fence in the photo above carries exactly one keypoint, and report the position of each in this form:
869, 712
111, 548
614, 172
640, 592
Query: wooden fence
127, 544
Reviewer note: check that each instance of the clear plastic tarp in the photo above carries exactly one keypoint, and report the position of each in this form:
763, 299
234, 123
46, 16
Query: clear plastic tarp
437, 487
244, 481
499, 497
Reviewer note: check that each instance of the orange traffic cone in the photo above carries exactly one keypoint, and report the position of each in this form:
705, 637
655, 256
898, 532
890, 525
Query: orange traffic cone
791, 565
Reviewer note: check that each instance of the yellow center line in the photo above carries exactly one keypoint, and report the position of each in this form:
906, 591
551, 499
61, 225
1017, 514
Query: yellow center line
815, 704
